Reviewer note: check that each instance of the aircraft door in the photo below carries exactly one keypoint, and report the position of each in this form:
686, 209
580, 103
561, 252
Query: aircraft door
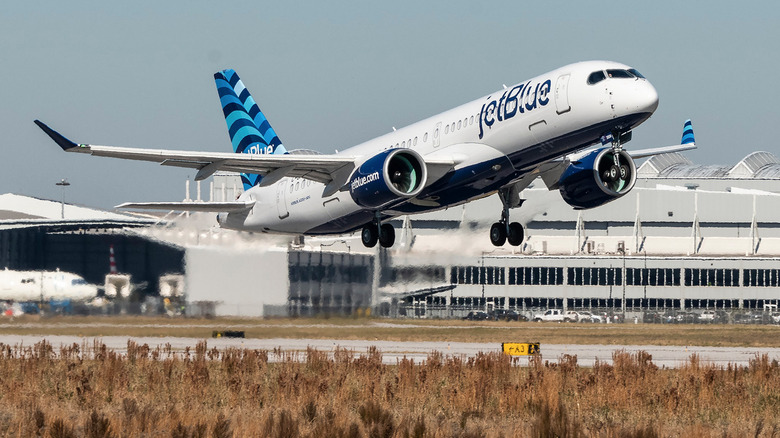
562, 94
281, 199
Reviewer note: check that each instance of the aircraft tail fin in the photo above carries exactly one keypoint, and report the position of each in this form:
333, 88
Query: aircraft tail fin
250, 132
687, 136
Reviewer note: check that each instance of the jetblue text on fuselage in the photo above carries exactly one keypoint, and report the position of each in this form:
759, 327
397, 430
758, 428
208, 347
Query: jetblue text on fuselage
520, 99
259, 148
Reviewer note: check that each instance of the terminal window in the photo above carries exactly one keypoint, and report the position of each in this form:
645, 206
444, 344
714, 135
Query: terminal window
712, 277
760, 277
536, 275
595, 276
652, 277
488, 275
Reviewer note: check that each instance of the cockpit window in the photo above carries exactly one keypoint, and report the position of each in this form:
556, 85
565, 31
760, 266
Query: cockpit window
636, 73
596, 77
617, 73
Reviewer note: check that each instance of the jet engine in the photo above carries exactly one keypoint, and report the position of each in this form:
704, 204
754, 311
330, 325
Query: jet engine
390, 176
599, 177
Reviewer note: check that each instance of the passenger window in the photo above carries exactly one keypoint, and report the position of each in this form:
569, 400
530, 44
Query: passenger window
403, 144
447, 129
471, 120
297, 186
415, 141
596, 77
458, 124
425, 137
409, 142
453, 127
291, 188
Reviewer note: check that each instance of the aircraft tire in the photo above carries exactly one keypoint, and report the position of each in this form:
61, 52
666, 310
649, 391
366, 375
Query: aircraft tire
369, 236
387, 236
515, 235
498, 234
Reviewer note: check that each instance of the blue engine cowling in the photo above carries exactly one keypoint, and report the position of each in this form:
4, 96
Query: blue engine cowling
597, 178
388, 177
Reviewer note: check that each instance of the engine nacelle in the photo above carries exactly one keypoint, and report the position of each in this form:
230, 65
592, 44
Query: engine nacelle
597, 178
389, 176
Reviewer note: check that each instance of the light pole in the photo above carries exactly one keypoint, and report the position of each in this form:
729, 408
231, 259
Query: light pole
63, 183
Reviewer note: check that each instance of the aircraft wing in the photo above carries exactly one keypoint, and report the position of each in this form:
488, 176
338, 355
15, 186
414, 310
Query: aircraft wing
208, 207
332, 170
644, 153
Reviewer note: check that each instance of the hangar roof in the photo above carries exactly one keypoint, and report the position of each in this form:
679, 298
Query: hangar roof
757, 165
20, 209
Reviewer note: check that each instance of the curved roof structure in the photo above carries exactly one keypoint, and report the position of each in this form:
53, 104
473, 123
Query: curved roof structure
757, 165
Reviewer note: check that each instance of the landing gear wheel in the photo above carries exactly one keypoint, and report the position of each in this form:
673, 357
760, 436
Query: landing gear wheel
387, 236
623, 171
498, 234
369, 235
515, 235
612, 174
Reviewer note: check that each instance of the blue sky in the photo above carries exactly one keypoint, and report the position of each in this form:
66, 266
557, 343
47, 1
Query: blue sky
329, 76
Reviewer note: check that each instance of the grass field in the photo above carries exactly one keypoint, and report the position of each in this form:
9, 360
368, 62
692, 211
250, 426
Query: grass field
405, 330
88, 390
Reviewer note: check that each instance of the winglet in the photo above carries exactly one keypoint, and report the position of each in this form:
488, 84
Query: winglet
58, 138
687, 137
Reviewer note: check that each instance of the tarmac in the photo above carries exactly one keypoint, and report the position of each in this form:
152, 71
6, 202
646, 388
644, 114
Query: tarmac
393, 352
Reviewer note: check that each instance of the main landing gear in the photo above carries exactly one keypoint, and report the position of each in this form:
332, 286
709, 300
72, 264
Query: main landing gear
375, 232
503, 231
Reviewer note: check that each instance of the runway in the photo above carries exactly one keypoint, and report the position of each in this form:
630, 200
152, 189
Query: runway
392, 351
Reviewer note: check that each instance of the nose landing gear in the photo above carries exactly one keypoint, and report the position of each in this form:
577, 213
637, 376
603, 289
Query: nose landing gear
503, 231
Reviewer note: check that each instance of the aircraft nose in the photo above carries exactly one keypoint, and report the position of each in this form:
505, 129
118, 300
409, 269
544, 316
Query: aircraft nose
634, 97
648, 98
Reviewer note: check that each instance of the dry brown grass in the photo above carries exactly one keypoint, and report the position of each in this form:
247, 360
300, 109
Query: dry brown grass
88, 390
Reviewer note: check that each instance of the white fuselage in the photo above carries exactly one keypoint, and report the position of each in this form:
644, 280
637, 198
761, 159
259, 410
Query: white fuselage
22, 286
518, 127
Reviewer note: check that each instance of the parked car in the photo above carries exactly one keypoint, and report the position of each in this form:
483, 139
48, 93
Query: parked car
586, 316
686, 318
553, 315
571, 316
477, 316
708, 316
506, 315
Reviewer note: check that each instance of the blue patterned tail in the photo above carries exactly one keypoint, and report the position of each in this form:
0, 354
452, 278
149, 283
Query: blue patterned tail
249, 130
687, 137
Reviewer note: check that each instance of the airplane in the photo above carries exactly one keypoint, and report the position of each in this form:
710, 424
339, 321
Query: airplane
24, 286
497, 144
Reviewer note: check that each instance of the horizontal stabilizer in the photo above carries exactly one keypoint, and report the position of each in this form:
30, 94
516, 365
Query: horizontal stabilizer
209, 207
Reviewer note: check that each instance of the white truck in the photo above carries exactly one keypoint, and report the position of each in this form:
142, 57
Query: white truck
553, 315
